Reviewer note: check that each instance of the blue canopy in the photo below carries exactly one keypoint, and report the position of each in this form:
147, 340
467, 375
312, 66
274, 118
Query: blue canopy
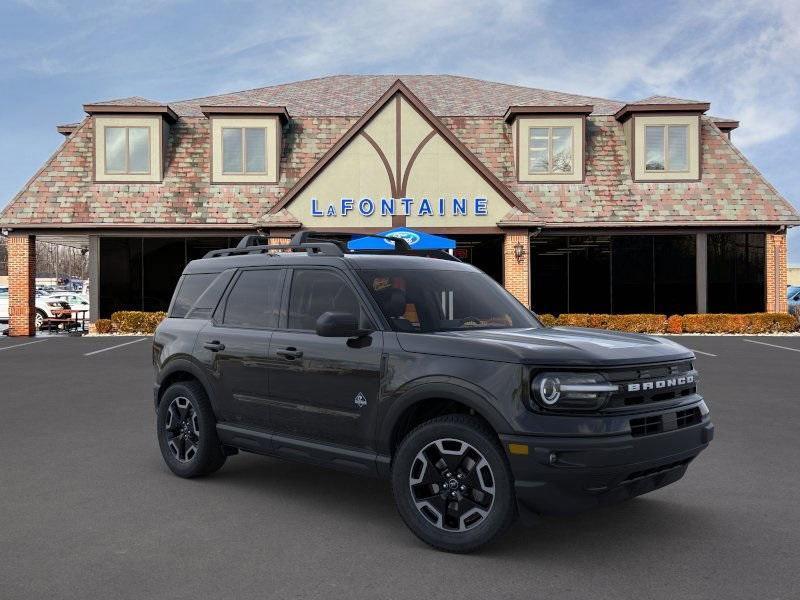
418, 240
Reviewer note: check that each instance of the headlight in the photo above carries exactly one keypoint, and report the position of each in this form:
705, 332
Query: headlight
58, 304
571, 391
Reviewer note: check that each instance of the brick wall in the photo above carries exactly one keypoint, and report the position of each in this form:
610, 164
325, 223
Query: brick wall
21, 284
776, 273
516, 274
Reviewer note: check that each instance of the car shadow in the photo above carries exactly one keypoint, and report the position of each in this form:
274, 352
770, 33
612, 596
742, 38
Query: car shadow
639, 526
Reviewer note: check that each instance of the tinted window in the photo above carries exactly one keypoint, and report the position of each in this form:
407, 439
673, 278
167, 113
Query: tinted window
254, 300
431, 300
316, 291
191, 287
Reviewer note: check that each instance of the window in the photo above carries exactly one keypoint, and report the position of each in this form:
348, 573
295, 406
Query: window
666, 147
736, 272
426, 301
317, 291
254, 301
614, 274
191, 286
244, 150
127, 150
550, 150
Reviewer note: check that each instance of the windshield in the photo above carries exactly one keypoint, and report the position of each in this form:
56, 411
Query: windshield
431, 300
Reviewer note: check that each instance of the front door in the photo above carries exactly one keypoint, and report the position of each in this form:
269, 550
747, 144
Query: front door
235, 346
324, 389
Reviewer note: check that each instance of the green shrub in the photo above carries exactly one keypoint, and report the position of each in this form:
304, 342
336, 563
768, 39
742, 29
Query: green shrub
136, 321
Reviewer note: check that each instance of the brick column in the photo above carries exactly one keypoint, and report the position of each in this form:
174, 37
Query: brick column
517, 273
21, 284
775, 273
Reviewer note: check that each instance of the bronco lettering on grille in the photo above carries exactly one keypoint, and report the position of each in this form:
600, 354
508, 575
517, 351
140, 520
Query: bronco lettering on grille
659, 384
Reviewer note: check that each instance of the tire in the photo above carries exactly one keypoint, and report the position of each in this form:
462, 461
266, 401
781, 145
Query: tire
187, 431
39, 318
464, 503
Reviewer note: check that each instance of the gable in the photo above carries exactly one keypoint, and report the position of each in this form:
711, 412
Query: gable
399, 161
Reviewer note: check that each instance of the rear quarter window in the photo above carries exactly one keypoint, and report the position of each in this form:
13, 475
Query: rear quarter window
189, 290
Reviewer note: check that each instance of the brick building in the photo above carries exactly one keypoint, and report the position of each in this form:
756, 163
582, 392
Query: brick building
574, 203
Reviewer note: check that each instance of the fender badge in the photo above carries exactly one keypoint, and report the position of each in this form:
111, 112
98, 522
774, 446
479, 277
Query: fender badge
360, 400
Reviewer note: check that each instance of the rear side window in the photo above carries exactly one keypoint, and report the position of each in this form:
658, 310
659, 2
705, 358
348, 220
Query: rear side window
316, 291
254, 301
191, 287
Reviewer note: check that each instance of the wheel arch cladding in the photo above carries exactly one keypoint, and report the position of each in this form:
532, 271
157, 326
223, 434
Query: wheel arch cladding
178, 371
430, 401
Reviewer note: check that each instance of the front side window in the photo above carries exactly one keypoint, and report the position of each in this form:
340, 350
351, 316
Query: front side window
254, 301
666, 147
127, 150
244, 150
550, 150
433, 300
317, 291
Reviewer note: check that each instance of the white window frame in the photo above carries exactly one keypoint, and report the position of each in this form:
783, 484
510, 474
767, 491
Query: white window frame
665, 148
550, 170
127, 129
520, 133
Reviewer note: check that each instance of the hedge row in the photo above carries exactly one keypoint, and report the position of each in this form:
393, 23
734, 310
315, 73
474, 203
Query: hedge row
135, 321
706, 323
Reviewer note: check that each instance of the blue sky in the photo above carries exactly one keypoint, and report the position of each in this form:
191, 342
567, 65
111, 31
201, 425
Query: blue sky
56, 55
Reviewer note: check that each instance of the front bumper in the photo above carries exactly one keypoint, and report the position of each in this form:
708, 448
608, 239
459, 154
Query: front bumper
564, 475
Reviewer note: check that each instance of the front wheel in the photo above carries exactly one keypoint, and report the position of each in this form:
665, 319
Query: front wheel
187, 432
452, 484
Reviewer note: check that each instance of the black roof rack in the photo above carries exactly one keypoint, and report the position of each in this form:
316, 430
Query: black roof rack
315, 242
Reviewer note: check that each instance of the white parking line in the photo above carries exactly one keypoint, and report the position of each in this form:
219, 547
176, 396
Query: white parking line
20, 345
772, 345
701, 352
114, 347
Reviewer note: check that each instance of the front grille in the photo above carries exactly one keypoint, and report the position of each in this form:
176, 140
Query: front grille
671, 421
649, 384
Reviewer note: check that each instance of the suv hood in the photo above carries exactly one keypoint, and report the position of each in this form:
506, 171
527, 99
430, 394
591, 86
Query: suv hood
575, 346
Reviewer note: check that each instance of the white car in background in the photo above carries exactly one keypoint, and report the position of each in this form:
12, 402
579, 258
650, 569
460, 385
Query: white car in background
47, 307
76, 300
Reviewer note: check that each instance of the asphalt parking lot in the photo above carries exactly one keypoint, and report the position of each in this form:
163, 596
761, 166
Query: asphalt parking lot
88, 509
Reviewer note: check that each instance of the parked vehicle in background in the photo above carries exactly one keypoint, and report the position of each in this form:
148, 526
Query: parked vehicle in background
421, 370
3, 304
793, 296
76, 301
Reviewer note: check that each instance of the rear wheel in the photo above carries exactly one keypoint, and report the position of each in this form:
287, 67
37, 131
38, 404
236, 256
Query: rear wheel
452, 484
187, 432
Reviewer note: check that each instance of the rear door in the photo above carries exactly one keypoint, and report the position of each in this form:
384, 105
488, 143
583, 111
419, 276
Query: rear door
234, 345
324, 389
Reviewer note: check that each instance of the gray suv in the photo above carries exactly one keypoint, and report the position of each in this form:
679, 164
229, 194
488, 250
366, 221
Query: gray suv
422, 370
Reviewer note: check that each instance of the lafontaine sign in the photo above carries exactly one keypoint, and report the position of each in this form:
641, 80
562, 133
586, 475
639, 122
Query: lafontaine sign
422, 207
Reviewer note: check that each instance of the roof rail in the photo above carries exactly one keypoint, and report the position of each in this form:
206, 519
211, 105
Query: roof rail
314, 242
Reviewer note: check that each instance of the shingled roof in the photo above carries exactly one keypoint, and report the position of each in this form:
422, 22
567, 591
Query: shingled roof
731, 191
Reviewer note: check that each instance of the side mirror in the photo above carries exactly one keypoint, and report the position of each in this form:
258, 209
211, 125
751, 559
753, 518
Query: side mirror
339, 324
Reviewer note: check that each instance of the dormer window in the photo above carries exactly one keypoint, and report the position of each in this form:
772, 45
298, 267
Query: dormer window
245, 143
550, 150
127, 150
548, 142
666, 148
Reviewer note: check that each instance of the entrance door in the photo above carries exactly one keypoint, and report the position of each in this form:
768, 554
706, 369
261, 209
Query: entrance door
483, 251
325, 389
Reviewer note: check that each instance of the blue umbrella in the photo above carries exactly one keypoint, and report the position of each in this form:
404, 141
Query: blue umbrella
418, 240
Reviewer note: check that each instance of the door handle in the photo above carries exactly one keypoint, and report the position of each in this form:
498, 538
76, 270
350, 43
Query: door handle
214, 346
290, 353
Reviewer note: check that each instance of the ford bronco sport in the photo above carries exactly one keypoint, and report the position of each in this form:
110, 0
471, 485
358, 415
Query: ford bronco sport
421, 370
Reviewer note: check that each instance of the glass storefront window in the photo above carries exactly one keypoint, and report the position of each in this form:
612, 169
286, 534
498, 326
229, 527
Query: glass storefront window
614, 274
